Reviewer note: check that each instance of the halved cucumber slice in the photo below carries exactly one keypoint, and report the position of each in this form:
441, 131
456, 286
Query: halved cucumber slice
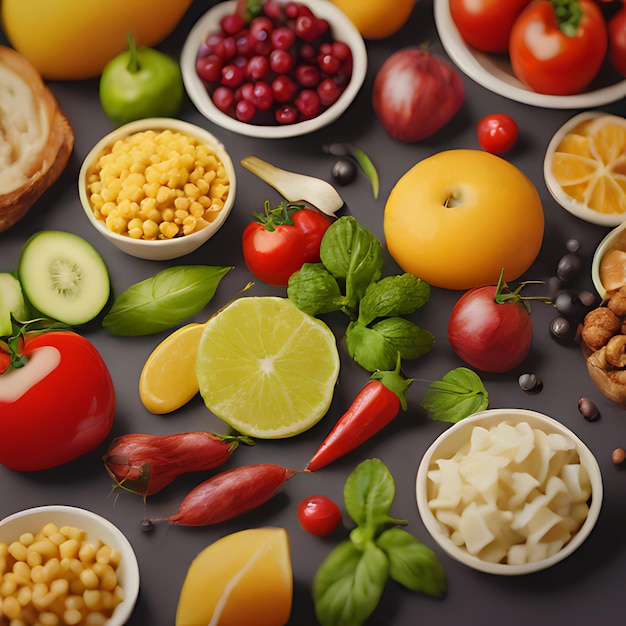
64, 277
11, 301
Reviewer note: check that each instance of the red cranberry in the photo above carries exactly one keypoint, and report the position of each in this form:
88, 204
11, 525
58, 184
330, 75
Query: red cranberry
261, 27
291, 10
328, 92
245, 44
286, 114
245, 111
306, 27
257, 67
340, 50
245, 92
307, 52
329, 64
232, 23
223, 98
283, 38
212, 40
273, 10
226, 49
308, 103
280, 61
283, 88
209, 68
308, 75
232, 75
263, 47
263, 98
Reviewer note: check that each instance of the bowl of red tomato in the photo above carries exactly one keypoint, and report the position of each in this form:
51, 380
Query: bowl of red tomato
289, 70
517, 50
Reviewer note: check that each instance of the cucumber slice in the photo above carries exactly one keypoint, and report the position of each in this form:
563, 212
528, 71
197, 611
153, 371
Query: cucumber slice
64, 277
11, 301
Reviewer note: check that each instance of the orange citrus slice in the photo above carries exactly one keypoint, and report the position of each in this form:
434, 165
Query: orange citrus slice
589, 164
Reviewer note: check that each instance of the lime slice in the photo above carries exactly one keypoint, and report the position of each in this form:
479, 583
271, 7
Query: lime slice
266, 368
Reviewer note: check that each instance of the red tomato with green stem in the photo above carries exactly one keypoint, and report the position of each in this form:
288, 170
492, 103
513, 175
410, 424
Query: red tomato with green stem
319, 515
617, 40
486, 24
282, 240
558, 52
490, 327
497, 132
57, 400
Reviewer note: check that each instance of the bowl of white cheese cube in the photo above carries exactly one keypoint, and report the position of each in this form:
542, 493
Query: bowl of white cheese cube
509, 491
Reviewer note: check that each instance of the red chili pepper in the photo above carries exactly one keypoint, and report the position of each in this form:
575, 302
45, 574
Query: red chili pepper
144, 464
373, 408
229, 494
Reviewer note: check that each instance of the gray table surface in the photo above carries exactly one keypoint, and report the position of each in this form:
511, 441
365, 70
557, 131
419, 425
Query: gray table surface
588, 586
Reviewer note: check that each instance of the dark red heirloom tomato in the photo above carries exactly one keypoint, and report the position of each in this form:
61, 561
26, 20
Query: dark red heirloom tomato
280, 242
319, 515
558, 54
497, 132
56, 403
486, 24
490, 328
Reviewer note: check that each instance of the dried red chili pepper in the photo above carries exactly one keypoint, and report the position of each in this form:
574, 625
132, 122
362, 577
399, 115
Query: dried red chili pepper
144, 464
228, 494
374, 407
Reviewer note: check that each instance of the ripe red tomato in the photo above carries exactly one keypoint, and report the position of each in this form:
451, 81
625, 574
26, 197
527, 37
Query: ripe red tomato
552, 55
497, 132
319, 515
282, 241
617, 40
486, 24
56, 407
490, 329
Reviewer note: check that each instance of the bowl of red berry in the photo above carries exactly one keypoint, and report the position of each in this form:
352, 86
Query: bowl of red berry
288, 70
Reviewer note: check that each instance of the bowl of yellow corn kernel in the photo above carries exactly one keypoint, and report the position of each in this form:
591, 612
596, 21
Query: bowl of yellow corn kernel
65, 565
157, 188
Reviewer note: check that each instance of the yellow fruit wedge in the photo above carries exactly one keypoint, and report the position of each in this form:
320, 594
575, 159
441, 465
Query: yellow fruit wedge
168, 378
613, 269
243, 579
266, 368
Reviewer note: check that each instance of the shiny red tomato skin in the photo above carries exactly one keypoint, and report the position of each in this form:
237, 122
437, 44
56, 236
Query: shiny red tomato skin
274, 255
617, 40
573, 62
63, 414
319, 515
489, 336
486, 25
497, 132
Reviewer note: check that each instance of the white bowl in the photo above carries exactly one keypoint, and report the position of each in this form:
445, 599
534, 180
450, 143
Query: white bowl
567, 202
97, 528
494, 71
342, 29
161, 249
603, 247
447, 444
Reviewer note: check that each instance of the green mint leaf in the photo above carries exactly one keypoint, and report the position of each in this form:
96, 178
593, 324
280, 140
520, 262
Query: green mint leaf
459, 394
369, 348
314, 290
352, 253
411, 563
368, 493
404, 336
163, 301
349, 583
391, 296
365, 163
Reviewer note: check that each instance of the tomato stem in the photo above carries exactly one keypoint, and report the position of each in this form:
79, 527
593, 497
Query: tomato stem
504, 295
282, 215
568, 14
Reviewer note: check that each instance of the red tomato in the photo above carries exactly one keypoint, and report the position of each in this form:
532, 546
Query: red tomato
486, 24
283, 241
497, 133
319, 515
489, 331
553, 61
617, 41
56, 407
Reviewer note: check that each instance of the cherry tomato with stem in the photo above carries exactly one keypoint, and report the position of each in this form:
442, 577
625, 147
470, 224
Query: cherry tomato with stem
558, 52
57, 400
490, 327
486, 24
319, 515
282, 240
497, 132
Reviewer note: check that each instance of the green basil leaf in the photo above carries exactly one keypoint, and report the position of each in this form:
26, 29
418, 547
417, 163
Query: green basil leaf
367, 166
459, 394
163, 301
404, 337
352, 253
392, 296
348, 585
411, 563
370, 349
368, 493
314, 290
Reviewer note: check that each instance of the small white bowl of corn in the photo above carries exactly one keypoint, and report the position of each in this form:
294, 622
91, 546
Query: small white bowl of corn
69, 563
509, 491
157, 188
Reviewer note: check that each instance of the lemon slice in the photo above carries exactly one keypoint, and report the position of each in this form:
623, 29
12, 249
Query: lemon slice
243, 578
585, 167
266, 368
168, 378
